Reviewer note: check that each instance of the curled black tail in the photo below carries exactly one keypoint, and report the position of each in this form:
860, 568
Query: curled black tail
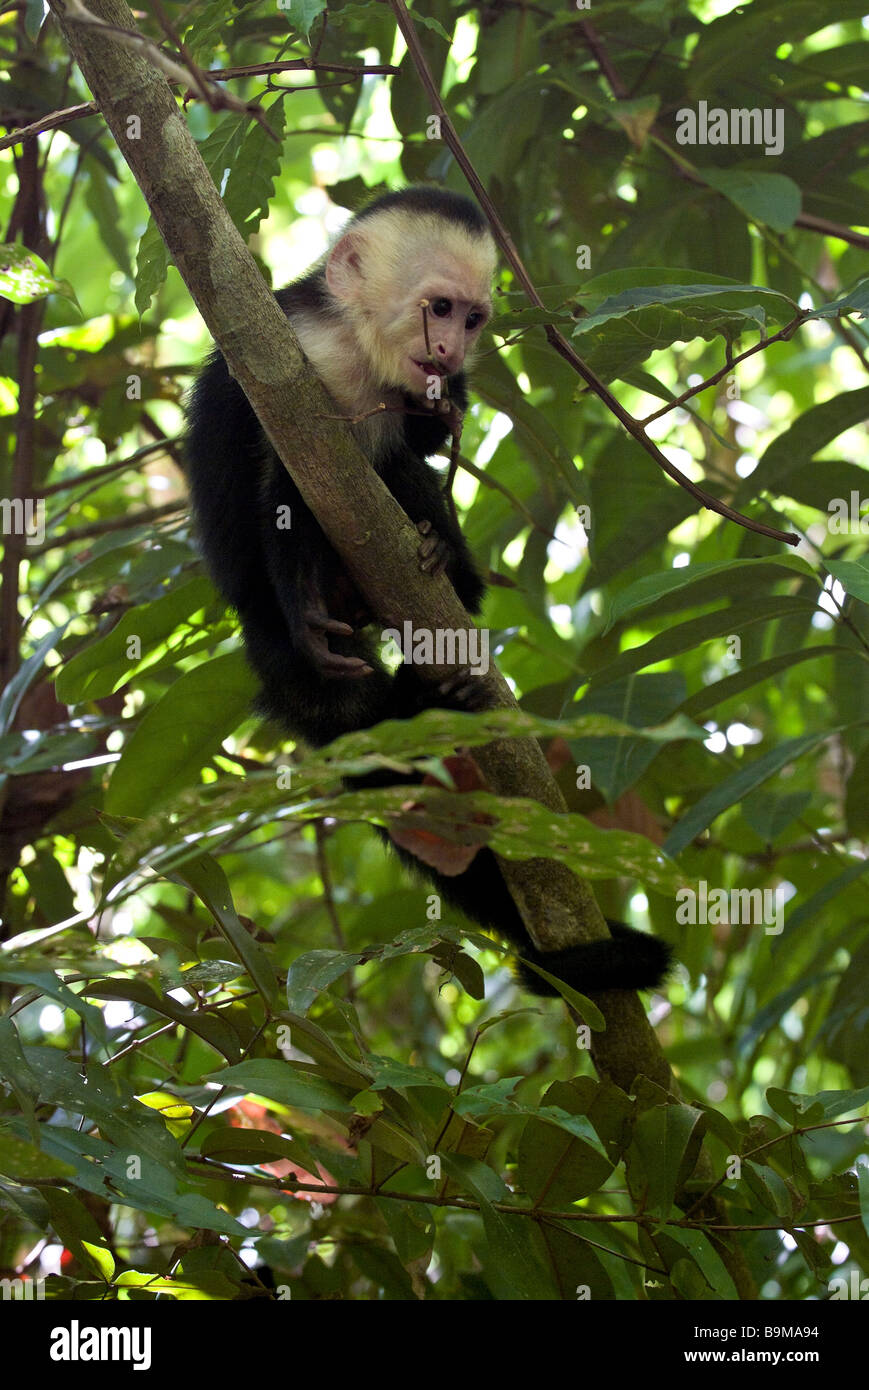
629, 960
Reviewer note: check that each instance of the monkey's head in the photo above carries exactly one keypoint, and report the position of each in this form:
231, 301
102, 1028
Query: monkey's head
418, 245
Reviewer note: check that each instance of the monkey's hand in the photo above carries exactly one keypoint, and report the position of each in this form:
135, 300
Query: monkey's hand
433, 550
462, 690
332, 664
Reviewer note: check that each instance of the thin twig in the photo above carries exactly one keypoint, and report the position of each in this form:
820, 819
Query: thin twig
50, 122
105, 470
768, 1143
114, 523
786, 333
423, 304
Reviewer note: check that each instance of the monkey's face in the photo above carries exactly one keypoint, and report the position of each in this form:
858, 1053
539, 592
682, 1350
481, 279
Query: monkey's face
417, 303
432, 330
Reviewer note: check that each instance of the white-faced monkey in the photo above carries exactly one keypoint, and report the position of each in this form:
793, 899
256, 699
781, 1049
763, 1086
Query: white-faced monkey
359, 319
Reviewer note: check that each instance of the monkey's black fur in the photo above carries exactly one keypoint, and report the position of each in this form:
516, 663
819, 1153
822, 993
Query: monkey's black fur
274, 578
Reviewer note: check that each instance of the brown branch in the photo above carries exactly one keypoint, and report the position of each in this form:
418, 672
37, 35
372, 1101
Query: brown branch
301, 65
90, 108
50, 122
105, 470
595, 46
29, 217
555, 338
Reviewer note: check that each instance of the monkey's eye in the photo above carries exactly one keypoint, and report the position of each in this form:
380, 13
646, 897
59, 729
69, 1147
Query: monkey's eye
441, 308
473, 321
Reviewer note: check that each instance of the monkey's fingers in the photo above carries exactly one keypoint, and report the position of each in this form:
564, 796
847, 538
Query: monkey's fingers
463, 689
433, 551
349, 668
321, 622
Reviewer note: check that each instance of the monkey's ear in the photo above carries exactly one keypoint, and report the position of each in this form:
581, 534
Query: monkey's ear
344, 267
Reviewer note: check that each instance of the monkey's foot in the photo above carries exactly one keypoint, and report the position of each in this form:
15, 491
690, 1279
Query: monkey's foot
463, 690
433, 550
333, 664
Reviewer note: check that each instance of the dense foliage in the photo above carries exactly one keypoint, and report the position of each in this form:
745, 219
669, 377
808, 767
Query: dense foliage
235, 1032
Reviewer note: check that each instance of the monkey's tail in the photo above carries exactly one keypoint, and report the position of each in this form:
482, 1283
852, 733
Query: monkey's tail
630, 959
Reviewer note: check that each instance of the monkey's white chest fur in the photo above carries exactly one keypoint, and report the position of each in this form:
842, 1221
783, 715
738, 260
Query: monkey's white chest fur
333, 351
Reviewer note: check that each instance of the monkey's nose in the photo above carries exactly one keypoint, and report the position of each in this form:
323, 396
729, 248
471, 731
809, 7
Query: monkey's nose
447, 357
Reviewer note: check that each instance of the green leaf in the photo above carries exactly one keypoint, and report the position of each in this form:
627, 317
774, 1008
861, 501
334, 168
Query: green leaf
512, 826
430, 23
391, 1073
212, 1028
652, 587
558, 1164
20, 753
255, 168
105, 210
707, 1260
853, 575
246, 1147
208, 881
617, 764
587, 1011
688, 636
180, 733
101, 1258
508, 1237
285, 1082
17, 686
667, 1138
771, 198
628, 327
315, 971
797, 446
36, 12
24, 277
302, 13
104, 666
719, 691
24, 1161
48, 983
769, 813
739, 784
104, 1100
100, 1166
152, 263
207, 1286
863, 1192
856, 301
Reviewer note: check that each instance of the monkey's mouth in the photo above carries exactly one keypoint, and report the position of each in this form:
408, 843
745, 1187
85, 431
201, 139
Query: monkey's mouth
429, 368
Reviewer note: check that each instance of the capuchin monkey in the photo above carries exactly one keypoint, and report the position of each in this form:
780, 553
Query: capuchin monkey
359, 318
